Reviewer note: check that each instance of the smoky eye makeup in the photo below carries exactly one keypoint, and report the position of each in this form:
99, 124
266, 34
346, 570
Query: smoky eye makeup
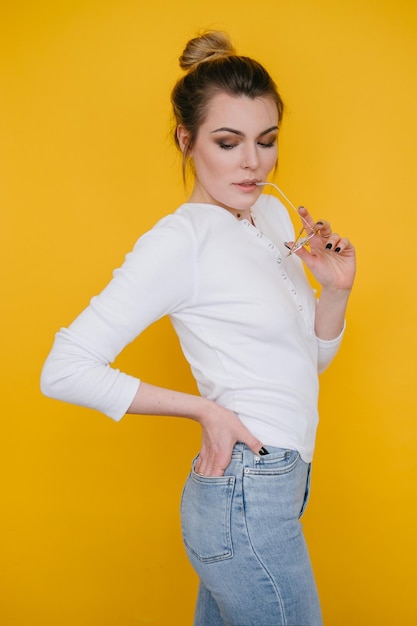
268, 142
226, 143
233, 138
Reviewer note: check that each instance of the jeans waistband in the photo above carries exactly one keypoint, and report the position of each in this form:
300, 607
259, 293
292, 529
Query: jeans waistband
240, 449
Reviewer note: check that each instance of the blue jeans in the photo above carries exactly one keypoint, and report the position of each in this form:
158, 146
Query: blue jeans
244, 539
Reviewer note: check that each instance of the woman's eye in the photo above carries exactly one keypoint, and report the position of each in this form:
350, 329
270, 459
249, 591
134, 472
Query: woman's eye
269, 144
226, 146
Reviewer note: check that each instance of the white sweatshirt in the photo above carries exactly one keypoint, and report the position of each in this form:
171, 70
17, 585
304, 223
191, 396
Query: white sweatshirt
243, 311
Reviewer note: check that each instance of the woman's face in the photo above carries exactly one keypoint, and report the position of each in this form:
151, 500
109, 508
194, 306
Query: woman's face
236, 146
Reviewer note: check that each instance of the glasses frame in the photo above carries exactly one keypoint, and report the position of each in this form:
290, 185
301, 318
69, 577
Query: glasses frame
310, 231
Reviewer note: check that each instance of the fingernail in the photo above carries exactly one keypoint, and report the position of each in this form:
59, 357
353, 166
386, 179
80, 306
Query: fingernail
329, 246
337, 249
263, 451
287, 246
320, 223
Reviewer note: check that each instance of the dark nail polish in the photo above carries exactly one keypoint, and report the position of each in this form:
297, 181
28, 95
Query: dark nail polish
329, 246
287, 246
320, 223
337, 249
263, 451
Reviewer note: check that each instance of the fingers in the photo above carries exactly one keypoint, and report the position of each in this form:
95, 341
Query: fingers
324, 238
212, 470
337, 244
214, 457
221, 430
324, 229
256, 446
307, 219
319, 231
211, 464
213, 467
332, 241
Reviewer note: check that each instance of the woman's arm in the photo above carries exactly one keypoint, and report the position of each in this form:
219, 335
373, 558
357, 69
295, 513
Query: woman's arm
221, 428
76, 373
330, 313
332, 261
156, 278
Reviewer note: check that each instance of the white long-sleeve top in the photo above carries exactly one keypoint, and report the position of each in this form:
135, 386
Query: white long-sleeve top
243, 311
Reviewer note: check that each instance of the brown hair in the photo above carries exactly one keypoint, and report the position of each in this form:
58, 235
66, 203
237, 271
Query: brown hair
213, 66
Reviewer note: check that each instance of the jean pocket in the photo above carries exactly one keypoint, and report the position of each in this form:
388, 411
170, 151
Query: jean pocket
280, 461
206, 506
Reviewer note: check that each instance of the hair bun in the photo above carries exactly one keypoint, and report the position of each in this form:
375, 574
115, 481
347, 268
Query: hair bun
211, 45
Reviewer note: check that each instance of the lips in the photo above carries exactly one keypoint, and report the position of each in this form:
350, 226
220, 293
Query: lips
247, 186
248, 183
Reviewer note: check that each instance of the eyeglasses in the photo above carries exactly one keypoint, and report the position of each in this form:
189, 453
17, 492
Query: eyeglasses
306, 233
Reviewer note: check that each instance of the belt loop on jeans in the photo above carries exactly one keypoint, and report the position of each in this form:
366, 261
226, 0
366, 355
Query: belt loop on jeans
238, 450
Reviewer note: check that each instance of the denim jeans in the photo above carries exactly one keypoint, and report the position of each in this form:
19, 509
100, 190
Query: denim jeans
244, 539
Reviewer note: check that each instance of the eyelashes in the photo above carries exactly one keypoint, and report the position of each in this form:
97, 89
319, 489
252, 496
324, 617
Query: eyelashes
229, 146
270, 144
226, 146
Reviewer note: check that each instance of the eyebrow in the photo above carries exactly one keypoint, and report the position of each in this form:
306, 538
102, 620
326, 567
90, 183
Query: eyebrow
238, 132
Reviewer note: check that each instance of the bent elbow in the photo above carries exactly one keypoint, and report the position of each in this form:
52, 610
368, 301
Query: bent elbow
50, 379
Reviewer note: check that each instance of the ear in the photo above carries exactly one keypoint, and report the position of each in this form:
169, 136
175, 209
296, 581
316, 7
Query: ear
183, 137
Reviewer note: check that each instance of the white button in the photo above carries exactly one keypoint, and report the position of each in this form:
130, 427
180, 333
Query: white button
257, 458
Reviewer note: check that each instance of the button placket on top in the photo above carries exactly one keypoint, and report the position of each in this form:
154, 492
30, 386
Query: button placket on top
279, 261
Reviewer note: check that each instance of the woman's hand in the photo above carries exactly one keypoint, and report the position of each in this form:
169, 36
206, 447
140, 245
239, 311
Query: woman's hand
221, 430
332, 261
331, 258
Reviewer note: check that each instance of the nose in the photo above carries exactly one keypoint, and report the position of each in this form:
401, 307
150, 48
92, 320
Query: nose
250, 157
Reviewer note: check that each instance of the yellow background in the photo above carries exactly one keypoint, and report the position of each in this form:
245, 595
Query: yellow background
89, 528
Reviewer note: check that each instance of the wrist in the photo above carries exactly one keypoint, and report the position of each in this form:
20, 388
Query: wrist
336, 292
334, 297
204, 411
331, 312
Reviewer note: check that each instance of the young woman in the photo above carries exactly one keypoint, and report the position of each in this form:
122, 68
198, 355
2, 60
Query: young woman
253, 333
